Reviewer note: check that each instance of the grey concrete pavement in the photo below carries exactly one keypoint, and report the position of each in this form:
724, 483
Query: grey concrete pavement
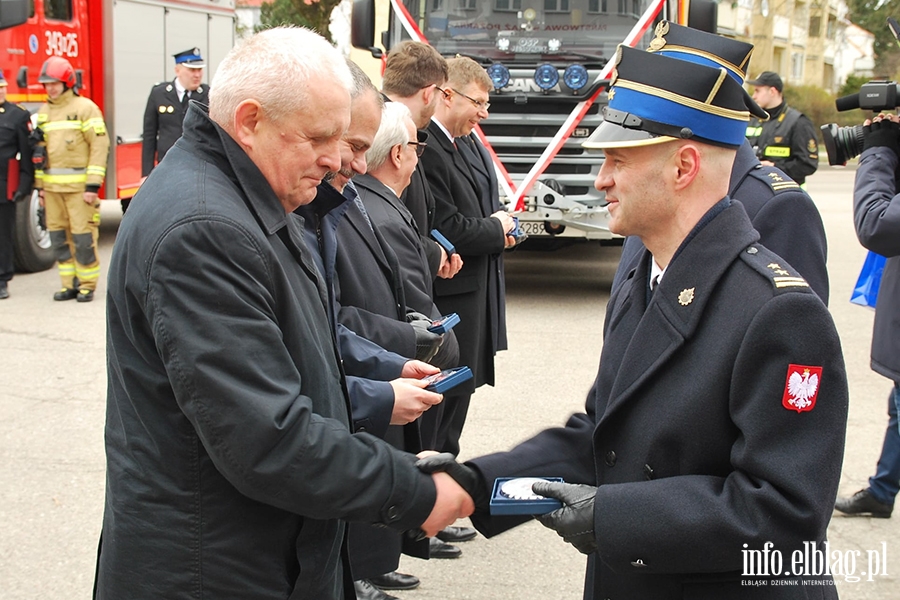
52, 410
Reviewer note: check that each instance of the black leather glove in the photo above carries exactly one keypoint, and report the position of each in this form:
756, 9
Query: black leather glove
427, 343
467, 477
574, 521
884, 133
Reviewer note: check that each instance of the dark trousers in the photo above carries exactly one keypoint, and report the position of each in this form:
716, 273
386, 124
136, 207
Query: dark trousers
885, 484
7, 230
456, 407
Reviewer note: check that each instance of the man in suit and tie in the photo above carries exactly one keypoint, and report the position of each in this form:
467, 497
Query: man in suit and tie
467, 212
167, 106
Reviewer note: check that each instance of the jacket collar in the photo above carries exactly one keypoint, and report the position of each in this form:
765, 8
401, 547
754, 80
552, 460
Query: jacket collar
676, 309
219, 147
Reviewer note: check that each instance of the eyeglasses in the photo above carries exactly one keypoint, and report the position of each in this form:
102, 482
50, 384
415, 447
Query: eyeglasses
443, 91
420, 147
479, 104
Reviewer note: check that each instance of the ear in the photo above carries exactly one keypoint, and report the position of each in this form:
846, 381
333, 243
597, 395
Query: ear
428, 94
686, 165
247, 119
396, 156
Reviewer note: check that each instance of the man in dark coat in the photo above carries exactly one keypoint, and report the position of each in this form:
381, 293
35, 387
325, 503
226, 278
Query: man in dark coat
876, 199
467, 212
415, 75
167, 105
787, 139
16, 178
785, 216
231, 463
716, 423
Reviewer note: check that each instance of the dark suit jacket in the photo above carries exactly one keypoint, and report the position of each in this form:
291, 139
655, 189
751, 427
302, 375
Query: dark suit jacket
14, 130
689, 431
462, 213
785, 216
163, 119
420, 201
395, 224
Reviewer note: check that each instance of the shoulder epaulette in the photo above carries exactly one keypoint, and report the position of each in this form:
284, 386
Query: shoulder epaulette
774, 179
773, 268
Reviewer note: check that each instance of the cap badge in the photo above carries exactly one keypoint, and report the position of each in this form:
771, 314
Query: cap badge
686, 296
801, 388
659, 42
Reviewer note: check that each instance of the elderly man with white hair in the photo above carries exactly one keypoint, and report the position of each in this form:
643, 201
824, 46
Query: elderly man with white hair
231, 466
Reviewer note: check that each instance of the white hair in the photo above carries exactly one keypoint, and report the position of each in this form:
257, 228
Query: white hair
394, 130
274, 67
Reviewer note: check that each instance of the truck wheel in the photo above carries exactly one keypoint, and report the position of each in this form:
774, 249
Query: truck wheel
32, 243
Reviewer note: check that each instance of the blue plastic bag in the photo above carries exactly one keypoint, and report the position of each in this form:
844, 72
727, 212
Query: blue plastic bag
865, 292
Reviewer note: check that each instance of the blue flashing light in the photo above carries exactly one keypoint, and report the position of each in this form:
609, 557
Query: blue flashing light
576, 77
499, 75
546, 76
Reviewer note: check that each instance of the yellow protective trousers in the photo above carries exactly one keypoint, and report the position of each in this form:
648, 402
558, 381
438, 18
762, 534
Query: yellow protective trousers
74, 228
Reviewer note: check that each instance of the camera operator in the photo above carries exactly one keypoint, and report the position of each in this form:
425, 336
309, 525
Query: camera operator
876, 213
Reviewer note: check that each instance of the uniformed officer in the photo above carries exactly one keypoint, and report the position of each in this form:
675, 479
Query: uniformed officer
788, 139
716, 423
74, 150
167, 106
785, 216
16, 177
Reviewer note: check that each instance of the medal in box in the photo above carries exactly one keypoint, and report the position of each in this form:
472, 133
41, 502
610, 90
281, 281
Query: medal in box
513, 496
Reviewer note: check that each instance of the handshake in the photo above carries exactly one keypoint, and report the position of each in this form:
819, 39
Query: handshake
461, 491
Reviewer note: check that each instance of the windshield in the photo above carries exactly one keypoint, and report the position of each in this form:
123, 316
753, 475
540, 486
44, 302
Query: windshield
506, 29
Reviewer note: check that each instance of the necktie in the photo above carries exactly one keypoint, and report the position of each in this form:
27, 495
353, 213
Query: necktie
184, 99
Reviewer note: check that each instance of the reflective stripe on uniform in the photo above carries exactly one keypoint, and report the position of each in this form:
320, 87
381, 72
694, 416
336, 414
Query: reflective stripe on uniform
95, 170
88, 273
63, 179
777, 151
754, 132
67, 269
61, 125
96, 124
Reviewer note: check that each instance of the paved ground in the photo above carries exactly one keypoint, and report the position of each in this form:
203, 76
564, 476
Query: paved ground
52, 414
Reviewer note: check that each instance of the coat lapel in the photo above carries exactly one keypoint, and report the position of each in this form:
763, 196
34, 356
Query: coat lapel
456, 159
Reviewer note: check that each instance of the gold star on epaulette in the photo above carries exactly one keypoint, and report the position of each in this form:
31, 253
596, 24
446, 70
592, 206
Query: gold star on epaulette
775, 177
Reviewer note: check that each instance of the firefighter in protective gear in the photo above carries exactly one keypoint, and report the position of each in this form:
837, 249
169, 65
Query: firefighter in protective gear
75, 147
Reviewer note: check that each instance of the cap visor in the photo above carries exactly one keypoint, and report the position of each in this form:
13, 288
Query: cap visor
755, 108
610, 135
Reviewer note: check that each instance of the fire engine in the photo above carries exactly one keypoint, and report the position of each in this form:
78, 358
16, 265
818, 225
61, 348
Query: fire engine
550, 64
119, 49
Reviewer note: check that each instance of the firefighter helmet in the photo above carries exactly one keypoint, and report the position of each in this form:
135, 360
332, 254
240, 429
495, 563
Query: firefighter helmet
58, 69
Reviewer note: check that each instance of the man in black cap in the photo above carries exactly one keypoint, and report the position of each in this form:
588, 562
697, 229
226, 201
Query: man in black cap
167, 106
788, 139
785, 216
715, 425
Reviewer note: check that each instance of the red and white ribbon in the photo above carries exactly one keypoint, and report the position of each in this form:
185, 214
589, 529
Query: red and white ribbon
511, 190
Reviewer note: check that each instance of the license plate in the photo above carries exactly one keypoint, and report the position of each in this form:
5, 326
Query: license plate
532, 227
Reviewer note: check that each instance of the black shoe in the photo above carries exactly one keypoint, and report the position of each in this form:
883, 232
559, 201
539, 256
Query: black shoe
439, 549
85, 295
457, 534
65, 294
395, 581
4, 291
367, 591
862, 503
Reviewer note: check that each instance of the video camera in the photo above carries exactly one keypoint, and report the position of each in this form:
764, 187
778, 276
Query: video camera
843, 143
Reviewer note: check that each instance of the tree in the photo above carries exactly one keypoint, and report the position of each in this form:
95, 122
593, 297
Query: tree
872, 16
313, 14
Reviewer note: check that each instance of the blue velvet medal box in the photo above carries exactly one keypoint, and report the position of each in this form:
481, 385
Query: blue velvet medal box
513, 496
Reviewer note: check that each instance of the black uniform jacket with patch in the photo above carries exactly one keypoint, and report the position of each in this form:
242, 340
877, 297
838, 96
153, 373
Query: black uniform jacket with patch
686, 430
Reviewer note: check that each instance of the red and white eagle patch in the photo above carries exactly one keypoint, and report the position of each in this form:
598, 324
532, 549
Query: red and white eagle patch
801, 388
